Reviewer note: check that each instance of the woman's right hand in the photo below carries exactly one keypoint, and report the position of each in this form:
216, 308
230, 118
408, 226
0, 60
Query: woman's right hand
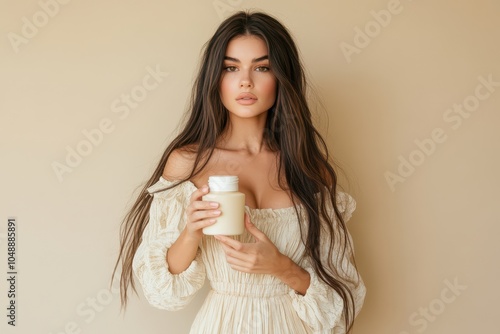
200, 213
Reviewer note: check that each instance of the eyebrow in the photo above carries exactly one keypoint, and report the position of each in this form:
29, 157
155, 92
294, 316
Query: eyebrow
255, 60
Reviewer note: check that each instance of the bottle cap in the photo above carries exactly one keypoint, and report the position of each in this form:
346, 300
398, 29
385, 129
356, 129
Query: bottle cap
223, 183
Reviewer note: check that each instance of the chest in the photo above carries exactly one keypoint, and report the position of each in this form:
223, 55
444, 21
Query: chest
258, 177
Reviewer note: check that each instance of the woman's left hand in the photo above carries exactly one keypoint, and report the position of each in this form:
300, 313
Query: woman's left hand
259, 257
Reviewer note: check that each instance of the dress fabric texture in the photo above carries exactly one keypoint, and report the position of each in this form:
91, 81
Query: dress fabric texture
239, 302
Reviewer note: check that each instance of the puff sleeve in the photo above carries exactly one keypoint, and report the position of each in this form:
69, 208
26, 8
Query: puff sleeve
321, 307
162, 289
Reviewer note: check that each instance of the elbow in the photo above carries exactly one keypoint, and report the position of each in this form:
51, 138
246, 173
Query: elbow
166, 303
172, 294
172, 307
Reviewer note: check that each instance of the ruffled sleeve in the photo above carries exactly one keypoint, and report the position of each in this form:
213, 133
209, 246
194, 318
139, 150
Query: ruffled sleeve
162, 289
321, 307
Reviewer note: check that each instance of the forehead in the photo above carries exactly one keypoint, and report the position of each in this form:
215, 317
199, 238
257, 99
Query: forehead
246, 47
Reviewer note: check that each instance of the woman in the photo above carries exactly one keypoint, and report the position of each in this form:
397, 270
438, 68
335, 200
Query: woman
293, 270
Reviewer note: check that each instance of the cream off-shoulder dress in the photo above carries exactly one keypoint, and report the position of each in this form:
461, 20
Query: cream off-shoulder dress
238, 302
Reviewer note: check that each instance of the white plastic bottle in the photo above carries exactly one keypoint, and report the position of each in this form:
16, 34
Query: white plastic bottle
224, 190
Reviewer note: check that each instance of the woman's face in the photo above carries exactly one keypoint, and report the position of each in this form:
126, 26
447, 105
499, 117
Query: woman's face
248, 86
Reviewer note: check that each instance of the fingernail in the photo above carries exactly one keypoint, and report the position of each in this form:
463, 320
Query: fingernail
216, 212
204, 189
214, 204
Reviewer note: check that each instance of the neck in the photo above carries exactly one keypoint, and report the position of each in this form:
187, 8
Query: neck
244, 134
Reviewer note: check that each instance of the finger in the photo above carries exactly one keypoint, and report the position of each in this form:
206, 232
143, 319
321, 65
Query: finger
242, 269
244, 265
203, 223
204, 214
241, 264
234, 256
198, 193
234, 244
230, 251
253, 230
196, 197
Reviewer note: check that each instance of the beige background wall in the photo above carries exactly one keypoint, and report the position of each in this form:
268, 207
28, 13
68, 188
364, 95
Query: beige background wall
432, 227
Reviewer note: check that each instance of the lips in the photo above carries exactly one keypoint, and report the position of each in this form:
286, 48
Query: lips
246, 97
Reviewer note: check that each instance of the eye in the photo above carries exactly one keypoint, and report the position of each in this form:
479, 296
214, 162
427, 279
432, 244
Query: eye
263, 69
230, 68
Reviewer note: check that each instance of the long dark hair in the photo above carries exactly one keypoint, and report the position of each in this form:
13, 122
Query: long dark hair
303, 157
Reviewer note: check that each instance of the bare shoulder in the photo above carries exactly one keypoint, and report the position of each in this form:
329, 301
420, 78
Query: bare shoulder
179, 163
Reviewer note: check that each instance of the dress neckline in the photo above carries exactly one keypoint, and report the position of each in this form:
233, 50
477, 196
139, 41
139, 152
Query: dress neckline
285, 209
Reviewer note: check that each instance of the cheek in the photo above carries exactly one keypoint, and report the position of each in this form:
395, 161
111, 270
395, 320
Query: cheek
226, 87
269, 88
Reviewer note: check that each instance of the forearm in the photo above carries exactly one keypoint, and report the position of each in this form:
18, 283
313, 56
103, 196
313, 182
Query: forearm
294, 276
181, 253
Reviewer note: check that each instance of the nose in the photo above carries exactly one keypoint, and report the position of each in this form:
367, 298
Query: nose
246, 80
245, 84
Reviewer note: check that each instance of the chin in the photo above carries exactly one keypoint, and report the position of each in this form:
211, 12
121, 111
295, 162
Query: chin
247, 113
